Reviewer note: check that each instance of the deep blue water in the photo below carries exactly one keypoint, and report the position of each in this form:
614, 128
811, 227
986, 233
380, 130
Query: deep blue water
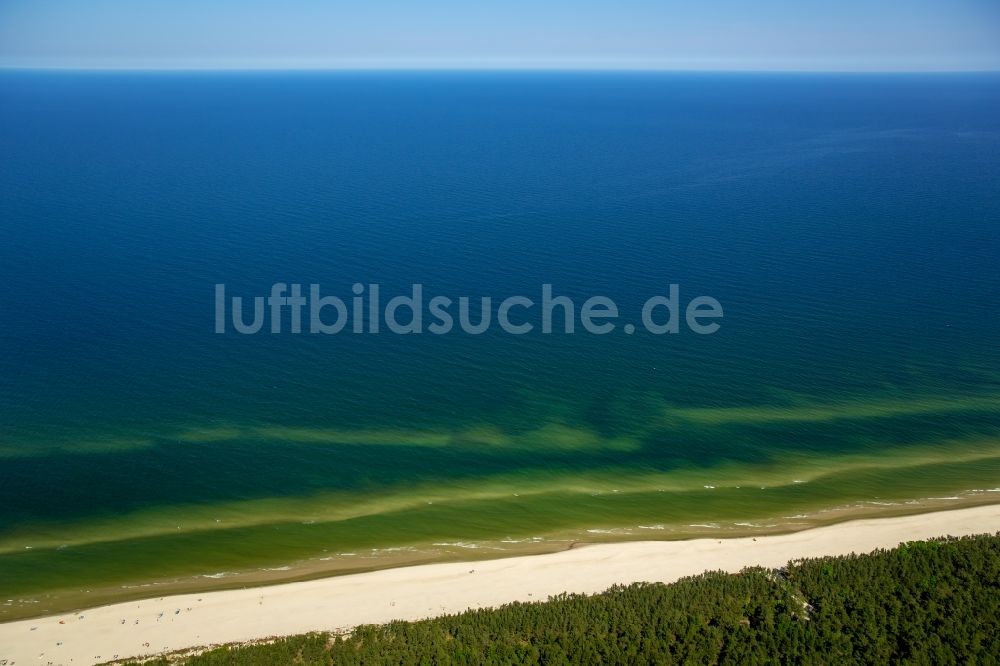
847, 224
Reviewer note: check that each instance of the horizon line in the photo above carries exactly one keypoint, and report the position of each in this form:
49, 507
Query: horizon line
481, 68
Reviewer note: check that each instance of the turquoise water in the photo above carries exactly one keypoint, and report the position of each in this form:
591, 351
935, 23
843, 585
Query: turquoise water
847, 224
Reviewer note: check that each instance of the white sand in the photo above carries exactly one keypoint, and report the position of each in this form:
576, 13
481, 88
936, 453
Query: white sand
408, 593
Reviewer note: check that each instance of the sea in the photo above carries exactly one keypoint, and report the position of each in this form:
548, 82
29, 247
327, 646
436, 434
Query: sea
848, 226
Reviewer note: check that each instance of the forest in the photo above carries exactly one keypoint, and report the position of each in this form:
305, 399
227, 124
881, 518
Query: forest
928, 602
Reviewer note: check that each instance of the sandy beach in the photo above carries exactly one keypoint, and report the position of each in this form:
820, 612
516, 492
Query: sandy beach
172, 623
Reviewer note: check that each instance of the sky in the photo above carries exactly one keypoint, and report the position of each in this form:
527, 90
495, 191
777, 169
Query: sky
827, 35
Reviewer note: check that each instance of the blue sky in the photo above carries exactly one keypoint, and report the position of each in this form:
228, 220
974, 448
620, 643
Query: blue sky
635, 34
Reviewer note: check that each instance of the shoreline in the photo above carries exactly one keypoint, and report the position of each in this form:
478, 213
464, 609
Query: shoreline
67, 600
171, 623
